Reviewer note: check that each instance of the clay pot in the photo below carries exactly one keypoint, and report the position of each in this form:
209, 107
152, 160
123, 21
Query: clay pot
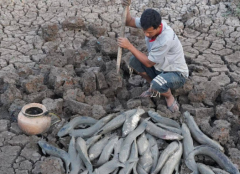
33, 119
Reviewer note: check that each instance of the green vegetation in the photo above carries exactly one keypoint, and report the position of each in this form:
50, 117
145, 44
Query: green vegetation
233, 9
219, 33
237, 10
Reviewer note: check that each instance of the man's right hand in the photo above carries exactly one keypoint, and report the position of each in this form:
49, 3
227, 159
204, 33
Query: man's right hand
126, 2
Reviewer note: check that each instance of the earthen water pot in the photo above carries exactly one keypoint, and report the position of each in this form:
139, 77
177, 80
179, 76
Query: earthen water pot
34, 119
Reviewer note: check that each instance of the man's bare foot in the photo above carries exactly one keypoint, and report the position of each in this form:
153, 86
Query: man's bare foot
147, 93
172, 104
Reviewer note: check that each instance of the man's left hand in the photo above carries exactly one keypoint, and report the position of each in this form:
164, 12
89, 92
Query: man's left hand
124, 43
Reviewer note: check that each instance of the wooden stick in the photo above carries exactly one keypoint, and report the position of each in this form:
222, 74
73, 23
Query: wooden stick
122, 34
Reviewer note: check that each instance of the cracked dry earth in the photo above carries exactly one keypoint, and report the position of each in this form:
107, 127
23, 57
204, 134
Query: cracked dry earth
62, 53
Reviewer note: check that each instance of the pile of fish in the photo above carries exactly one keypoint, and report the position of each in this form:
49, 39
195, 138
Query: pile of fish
126, 143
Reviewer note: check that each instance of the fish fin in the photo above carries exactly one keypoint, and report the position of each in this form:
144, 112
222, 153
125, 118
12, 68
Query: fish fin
99, 132
67, 165
96, 171
44, 152
135, 169
154, 120
88, 146
70, 134
121, 165
146, 119
177, 168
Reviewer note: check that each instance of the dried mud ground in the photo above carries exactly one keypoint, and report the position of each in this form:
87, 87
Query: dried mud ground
62, 53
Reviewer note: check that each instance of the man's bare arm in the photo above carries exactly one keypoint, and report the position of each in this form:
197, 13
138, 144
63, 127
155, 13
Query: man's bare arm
124, 43
141, 57
130, 21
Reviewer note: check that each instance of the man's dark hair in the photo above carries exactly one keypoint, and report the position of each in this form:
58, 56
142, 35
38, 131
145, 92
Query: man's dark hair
150, 18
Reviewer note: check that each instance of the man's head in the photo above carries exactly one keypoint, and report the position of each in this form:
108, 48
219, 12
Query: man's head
151, 22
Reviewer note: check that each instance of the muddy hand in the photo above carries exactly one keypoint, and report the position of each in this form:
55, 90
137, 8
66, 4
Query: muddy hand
126, 2
123, 43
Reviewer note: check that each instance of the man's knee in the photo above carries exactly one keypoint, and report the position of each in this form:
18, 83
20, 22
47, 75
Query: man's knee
171, 80
159, 84
134, 62
142, 73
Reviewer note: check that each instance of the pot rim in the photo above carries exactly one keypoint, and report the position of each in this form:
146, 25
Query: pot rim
30, 105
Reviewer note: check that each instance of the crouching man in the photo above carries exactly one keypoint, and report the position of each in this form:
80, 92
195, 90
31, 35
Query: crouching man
164, 67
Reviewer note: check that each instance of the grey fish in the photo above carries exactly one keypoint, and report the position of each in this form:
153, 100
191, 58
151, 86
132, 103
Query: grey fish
167, 153
161, 133
126, 146
131, 122
82, 150
54, 151
107, 150
203, 169
173, 162
115, 122
84, 133
142, 144
167, 121
96, 149
197, 134
92, 140
154, 150
134, 156
135, 169
127, 169
218, 171
76, 162
75, 122
187, 141
222, 160
108, 167
169, 128
134, 152
146, 160
132, 161
117, 148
